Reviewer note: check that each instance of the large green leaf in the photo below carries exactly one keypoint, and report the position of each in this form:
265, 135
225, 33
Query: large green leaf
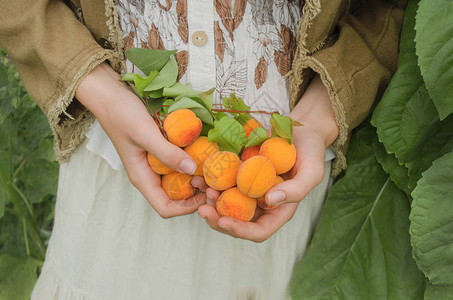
149, 60
389, 163
433, 292
361, 247
406, 119
17, 277
434, 44
432, 222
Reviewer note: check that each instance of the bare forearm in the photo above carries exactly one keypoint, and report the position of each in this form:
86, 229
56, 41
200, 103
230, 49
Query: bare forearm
314, 110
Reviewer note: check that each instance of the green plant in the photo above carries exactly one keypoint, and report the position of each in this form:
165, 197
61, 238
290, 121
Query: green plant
28, 181
386, 229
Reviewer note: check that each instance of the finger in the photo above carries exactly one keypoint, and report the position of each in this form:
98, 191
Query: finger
308, 175
212, 196
170, 155
211, 217
264, 227
148, 183
199, 182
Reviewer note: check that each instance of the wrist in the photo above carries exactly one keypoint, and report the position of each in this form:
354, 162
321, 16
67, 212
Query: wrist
315, 112
99, 88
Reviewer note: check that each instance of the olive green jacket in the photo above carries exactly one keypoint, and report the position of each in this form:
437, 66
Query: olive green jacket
54, 44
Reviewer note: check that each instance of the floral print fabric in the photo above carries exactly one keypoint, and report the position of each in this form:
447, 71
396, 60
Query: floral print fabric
254, 43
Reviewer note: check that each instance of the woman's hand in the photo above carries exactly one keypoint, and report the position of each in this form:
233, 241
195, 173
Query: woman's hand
133, 132
314, 110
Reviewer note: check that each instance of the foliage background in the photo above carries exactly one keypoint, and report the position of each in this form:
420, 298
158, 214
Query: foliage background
386, 228
28, 183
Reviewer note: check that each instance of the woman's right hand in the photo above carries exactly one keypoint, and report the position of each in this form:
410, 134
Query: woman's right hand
133, 132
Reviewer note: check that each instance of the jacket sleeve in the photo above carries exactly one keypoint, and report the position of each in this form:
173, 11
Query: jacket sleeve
52, 52
358, 64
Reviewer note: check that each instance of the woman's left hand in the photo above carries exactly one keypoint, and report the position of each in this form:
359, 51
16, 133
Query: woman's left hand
314, 110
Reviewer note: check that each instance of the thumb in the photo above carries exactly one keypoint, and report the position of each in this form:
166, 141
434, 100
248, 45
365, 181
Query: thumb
307, 177
170, 155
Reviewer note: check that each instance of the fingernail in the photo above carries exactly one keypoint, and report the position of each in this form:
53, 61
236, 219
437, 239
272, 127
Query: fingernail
276, 198
227, 228
187, 166
210, 195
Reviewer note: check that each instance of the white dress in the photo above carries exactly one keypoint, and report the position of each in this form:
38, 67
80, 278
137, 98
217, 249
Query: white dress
108, 242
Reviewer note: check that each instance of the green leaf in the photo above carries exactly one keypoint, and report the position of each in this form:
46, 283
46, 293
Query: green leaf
282, 126
17, 277
228, 134
432, 222
154, 94
256, 137
361, 247
149, 60
178, 89
140, 81
219, 115
202, 113
398, 173
406, 119
434, 44
207, 97
166, 77
236, 103
434, 292
168, 102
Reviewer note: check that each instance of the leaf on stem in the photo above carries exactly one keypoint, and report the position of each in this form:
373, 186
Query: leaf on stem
200, 111
256, 137
282, 126
228, 134
166, 77
149, 60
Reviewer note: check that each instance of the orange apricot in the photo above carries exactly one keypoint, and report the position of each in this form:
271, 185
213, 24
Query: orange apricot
256, 176
260, 200
220, 170
235, 204
157, 166
178, 185
200, 151
182, 127
280, 152
249, 152
250, 125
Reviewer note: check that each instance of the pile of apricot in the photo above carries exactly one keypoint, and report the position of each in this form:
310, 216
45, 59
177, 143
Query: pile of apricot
243, 181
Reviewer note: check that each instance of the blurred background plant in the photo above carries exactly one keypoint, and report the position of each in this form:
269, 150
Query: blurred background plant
28, 185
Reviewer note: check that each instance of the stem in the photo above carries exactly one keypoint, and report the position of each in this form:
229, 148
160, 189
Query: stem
27, 203
31, 226
18, 169
244, 111
27, 247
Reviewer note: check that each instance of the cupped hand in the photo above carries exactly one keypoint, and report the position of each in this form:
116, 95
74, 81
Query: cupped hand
133, 132
314, 110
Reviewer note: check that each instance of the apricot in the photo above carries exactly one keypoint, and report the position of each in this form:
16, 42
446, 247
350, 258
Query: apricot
256, 176
280, 152
220, 170
260, 200
157, 166
182, 127
250, 125
235, 204
200, 151
249, 152
178, 185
